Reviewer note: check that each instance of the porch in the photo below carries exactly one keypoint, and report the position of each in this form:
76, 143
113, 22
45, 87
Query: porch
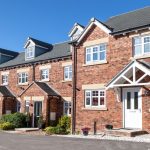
132, 88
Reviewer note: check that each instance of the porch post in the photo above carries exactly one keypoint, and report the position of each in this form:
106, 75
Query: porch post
1, 106
48, 111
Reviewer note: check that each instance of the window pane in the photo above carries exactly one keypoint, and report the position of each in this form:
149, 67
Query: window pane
88, 93
128, 100
138, 49
101, 93
87, 101
146, 39
147, 47
102, 55
95, 101
88, 57
95, 93
102, 47
135, 100
102, 101
137, 40
95, 56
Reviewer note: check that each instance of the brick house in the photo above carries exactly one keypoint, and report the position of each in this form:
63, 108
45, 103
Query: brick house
37, 81
112, 72
111, 75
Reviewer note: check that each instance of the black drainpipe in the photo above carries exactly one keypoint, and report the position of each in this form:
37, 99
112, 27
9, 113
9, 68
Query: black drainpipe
33, 75
74, 89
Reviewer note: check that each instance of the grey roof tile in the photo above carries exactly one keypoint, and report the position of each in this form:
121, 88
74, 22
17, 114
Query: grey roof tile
134, 19
8, 52
5, 91
46, 88
41, 43
58, 51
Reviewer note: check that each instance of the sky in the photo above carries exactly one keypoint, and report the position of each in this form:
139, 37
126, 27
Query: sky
51, 20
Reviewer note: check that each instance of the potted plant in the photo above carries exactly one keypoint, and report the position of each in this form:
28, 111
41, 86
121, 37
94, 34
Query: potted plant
109, 127
41, 122
85, 131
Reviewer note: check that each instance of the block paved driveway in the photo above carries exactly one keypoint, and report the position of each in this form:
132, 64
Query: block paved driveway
28, 142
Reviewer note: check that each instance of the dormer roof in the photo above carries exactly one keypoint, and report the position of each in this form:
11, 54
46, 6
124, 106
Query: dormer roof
37, 43
76, 26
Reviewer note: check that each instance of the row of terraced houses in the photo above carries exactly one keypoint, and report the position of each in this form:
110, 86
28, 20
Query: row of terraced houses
100, 76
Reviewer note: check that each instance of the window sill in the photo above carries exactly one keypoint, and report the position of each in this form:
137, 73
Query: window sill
44, 80
95, 63
23, 83
97, 109
141, 56
4, 84
66, 81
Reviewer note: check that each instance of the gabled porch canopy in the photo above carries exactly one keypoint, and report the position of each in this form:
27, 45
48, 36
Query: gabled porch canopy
136, 73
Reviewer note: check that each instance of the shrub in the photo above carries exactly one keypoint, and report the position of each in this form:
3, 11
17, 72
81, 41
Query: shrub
62, 127
7, 126
17, 119
65, 122
50, 130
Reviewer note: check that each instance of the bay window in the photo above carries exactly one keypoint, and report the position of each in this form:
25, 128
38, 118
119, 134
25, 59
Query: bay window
141, 45
94, 98
96, 53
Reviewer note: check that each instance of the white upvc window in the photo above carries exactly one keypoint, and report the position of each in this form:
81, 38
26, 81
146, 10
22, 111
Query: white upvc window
96, 53
67, 108
5, 79
95, 98
141, 45
45, 74
30, 52
22, 78
68, 72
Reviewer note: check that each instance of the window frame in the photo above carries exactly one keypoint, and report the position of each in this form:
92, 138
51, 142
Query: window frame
69, 78
141, 44
69, 106
30, 50
5, 79
91, 53
91, 96
44, 79
20, 77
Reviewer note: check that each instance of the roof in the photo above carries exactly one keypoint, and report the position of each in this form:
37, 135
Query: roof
58, 51
130, 20
5, 91
44, 87
41, 43
47, 88
142, 63
8, 52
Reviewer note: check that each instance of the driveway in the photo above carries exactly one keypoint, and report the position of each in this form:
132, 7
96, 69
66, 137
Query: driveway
28, 142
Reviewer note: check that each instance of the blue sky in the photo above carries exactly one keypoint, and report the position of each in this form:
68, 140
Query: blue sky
51, 20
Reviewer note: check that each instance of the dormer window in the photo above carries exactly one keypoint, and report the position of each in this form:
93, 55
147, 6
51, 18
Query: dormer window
30, 52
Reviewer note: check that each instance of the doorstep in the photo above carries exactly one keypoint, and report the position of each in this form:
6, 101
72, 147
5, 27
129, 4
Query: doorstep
125, 132
26, 129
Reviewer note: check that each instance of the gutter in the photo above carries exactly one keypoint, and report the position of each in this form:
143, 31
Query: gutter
130, 29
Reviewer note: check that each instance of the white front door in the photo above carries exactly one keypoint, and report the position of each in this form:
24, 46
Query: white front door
132, 104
